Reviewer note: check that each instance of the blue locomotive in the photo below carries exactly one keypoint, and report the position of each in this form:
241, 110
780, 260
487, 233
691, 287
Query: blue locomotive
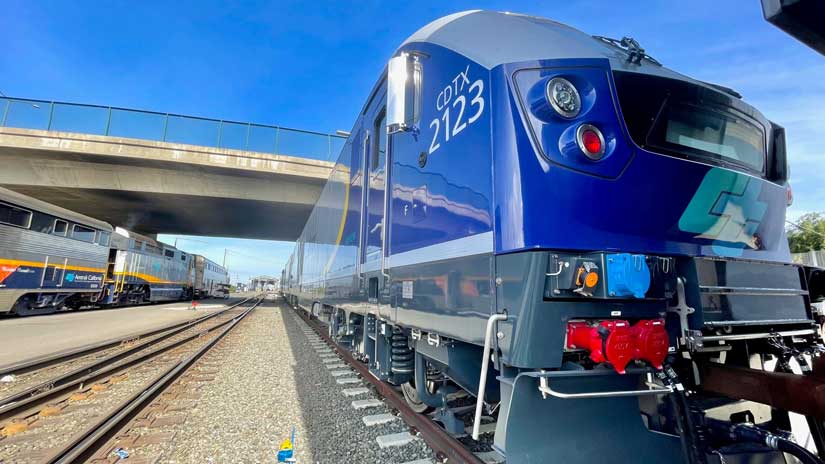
588, 243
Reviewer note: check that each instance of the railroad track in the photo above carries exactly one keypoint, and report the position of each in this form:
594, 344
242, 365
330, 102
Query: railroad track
32, 427
446, 448
38, 375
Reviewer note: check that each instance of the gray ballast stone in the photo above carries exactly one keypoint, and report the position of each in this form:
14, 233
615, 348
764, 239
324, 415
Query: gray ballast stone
421, 461
347, 380
355, 391
364, 404
378, 419
394, 439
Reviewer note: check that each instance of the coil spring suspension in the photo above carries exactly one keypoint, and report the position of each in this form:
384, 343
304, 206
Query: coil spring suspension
403, 358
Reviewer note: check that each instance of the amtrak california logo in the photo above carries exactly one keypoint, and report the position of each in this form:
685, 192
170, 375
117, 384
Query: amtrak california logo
70, 277
726, 209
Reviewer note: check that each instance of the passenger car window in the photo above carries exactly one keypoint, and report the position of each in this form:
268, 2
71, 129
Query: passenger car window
83, 233
15, 216
60, 227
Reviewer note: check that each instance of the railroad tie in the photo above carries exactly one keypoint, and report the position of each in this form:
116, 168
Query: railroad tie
368, 403
355, 391
347, 380
395, 439
378, 419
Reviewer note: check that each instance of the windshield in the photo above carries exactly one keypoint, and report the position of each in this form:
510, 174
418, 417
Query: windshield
687, 120
705, 132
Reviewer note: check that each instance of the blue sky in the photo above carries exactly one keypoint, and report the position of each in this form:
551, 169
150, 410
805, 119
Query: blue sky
310, 65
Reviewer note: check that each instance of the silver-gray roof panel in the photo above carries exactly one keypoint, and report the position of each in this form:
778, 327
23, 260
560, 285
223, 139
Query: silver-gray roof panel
491, 38
39, 205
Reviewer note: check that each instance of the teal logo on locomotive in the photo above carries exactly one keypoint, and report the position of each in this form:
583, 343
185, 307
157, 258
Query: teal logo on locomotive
726, 209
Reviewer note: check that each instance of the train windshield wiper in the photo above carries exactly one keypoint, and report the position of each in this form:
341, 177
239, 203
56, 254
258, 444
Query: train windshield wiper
629, 45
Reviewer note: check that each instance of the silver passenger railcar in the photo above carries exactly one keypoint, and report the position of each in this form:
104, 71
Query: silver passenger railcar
50, 257
211, 279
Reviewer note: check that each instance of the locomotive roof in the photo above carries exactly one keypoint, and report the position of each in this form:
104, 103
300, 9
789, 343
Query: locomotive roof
34, 204
491, 38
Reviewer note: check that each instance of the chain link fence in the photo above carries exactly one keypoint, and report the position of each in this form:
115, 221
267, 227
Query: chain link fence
810, 258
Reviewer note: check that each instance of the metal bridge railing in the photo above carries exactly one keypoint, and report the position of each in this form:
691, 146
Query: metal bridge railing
166, 127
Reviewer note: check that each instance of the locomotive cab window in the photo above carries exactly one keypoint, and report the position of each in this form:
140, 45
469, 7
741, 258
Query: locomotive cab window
60, 227
690, 120
83, 233
169, 253
704, 132
103, 238
15, 216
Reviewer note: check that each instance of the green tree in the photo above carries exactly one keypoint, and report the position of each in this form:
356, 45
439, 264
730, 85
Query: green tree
808, 233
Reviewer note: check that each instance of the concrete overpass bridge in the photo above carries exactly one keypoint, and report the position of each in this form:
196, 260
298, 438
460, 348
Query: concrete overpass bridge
165, 173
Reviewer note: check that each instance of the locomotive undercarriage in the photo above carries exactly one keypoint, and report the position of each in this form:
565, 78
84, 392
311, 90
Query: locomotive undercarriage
45, 301
746, 391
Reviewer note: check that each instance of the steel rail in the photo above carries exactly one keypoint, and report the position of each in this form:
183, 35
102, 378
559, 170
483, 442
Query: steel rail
22, 406
31, 364
447, 448
91, 368
92, 439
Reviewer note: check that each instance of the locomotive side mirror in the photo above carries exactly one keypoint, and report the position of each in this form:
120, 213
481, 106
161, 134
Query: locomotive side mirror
403, 92
778, 170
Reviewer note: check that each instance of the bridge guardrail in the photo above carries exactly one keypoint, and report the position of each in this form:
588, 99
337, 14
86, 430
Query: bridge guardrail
167, 127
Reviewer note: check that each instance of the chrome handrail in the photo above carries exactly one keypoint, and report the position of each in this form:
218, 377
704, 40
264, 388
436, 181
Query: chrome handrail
485, 361
544, 388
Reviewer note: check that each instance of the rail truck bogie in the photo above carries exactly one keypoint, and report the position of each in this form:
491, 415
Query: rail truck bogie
588, 243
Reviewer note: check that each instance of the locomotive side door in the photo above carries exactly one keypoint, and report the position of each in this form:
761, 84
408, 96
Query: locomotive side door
376, 175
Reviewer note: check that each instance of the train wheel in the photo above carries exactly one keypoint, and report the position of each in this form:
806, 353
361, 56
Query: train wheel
26, 310
413, 400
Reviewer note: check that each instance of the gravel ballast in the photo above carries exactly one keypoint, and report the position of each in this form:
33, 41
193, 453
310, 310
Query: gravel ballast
270, 378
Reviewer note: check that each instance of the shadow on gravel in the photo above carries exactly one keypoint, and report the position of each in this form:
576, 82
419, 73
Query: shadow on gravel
336, 431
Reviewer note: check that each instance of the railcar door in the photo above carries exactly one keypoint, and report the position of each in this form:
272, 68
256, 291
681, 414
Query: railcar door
53, 271
376, 169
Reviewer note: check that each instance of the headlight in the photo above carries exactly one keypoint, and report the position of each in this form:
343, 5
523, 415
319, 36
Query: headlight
563, 97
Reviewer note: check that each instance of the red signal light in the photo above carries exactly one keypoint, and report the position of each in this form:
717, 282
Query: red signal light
590, 141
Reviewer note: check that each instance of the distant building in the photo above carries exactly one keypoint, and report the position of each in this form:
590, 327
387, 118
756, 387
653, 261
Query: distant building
263, 284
